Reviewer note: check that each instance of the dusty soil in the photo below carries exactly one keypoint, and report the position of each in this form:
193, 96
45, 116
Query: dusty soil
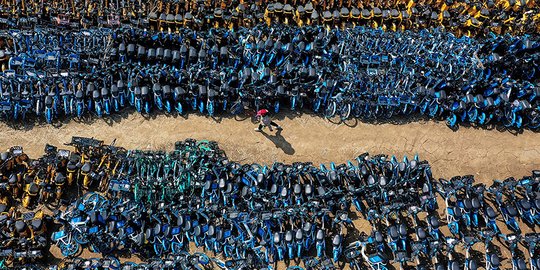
487, 154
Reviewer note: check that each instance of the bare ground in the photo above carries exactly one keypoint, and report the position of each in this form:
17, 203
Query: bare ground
487, 154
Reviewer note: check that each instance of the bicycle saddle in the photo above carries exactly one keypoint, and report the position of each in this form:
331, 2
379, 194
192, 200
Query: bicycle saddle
333, 176
156, 87
277, 238
273, 189
192, 52
421, 233
151, 54
525, 204
144, 90
228, 188
314, 14
402, 230
165, 54
114, 90
20, 226
297, 189
12, 179
175, 57
490, 212
149, 234
458, 213
433, 221
178, 18
344, 12
320, 235
377, 12
393, 232
385, 14
475, 203
467, 204
96, 94
321, 191
179, 91
60, 179
288, 236
260, 178
307, 226
169, 18
366, 13
378, 237
245, 191
141, 50
370, 180
383, 181
187, 225
394, 13
104, 91
537, 203
402, 166
36, 224
86, 167
494, 260
521, 265
337, 240
512, 211
453, 265
284, 192
197, 230
336, 15
202, 54
131, 49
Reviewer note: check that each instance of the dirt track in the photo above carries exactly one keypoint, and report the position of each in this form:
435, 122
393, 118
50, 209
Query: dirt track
488, 154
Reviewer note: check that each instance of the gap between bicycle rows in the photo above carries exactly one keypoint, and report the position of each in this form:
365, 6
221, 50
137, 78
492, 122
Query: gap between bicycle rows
487, 154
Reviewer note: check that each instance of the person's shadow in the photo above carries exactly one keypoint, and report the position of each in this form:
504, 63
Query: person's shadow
280, 142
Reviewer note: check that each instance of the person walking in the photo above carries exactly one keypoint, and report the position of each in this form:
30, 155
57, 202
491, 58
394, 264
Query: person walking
265, 121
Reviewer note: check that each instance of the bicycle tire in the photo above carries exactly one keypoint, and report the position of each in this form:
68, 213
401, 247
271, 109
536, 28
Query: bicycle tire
330, 109
236, 108
345, 111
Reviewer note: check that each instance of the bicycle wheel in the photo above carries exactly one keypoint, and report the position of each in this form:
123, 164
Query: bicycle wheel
330, 109
69, 250
345, 111
236, 108
158, 248
114, 263
202, 258
176, 248
80, 238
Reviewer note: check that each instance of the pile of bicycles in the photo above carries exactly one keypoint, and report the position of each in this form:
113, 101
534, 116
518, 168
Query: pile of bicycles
24, 237
360, 73
463, 18
164, 206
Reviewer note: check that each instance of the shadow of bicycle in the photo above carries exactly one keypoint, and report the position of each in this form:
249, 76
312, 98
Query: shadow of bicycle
280, 142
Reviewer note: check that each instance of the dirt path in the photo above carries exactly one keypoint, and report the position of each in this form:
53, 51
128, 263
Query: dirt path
488, 154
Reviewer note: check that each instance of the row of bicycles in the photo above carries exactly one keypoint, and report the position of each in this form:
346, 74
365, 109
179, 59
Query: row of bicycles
358, 73
473, 18
164, 206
